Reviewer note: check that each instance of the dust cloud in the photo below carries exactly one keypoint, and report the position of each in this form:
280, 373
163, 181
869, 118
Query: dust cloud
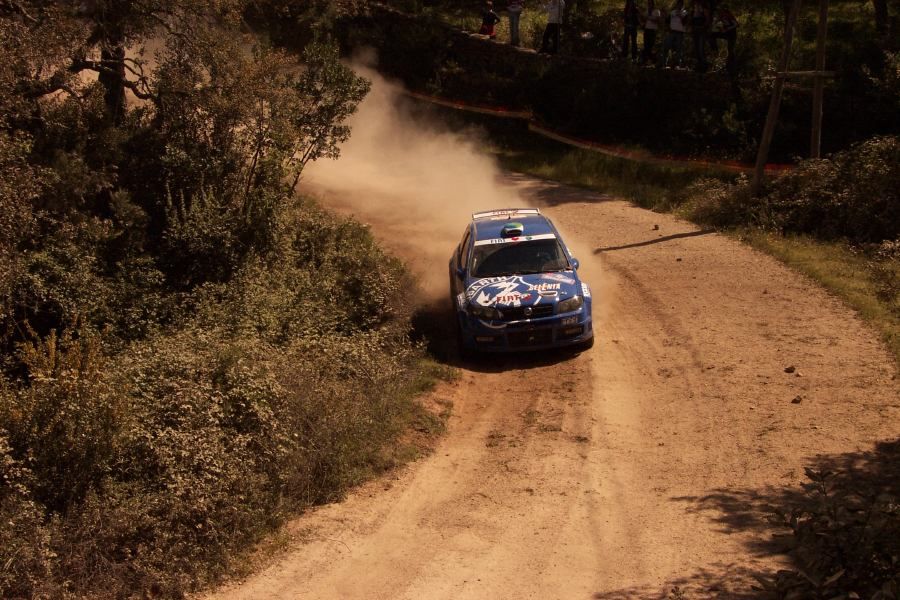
416, 183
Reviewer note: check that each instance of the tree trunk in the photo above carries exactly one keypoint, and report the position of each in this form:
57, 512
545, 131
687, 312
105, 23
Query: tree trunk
112, 78
775, 104
881, 15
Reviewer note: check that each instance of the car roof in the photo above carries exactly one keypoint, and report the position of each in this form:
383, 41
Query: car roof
489, 228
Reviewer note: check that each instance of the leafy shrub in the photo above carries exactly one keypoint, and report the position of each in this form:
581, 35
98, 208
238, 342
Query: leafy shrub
720, 204
341, 422
885, 267
20, 184
65, 424
846, 532
853, 195
26, 556
202, 241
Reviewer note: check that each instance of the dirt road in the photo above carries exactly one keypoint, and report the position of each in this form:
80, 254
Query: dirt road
642, 464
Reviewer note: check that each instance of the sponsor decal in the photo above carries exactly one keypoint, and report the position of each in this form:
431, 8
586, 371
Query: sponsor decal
545, 287
512, 291
510, 240
513, 298
507, 212
461, 300
559, 277
585, 290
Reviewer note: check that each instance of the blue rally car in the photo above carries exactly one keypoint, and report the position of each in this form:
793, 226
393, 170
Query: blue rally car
515, 286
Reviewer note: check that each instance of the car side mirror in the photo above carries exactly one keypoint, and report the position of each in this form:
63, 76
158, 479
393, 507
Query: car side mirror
575, 264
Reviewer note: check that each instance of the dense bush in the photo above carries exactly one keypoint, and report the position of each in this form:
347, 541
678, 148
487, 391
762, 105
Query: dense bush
852, 195
846, 531
160, 462
188, 352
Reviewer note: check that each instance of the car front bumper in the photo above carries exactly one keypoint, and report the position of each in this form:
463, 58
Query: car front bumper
557, 331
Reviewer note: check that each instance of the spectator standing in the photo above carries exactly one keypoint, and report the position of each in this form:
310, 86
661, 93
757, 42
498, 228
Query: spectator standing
651, 26
725, 28
514, 10
700, 19
488, 19
675, 37
555, 9
632, 18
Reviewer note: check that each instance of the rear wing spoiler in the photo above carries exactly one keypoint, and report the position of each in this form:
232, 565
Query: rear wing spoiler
505, 212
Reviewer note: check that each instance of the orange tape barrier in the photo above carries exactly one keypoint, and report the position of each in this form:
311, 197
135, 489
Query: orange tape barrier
607, 149
494, 111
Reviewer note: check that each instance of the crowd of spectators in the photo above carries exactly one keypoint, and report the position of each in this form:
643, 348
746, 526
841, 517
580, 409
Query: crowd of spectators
707, 22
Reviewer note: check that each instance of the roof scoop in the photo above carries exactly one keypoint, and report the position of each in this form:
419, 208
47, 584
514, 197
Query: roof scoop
512, 230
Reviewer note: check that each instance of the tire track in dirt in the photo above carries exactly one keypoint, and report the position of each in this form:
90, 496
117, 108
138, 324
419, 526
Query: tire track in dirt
620, 472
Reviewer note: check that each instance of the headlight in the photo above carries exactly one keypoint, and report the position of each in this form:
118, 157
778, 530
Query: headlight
571, 305
484, 312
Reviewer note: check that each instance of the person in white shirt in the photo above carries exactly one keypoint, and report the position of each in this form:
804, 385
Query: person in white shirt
675, 37
555, 10
651, 26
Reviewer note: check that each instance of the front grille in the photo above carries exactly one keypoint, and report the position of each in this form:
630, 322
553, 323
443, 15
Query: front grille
537, 337
517, 313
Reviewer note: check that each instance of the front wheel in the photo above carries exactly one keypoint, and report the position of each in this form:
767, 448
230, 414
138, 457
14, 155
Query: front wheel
465, 352
586, 345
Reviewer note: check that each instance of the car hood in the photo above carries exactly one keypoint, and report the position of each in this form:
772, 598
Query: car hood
523, 290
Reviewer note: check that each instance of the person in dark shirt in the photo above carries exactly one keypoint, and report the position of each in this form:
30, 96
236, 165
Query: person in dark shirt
632, 19
725, 28
514, 9
651, 26
488, 19
700, 19
555, 11
674, 40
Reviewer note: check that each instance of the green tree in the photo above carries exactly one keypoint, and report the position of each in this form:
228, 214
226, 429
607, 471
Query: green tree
197, 165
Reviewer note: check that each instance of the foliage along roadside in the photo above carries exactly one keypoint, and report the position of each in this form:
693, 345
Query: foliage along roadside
158, 463
189, 352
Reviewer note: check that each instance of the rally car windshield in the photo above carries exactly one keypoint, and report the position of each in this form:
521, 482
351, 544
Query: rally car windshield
518, 258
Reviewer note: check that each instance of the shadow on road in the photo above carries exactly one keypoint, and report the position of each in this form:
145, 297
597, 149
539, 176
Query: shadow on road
665, 238
847, 483
433, 325
718, 581
553, 193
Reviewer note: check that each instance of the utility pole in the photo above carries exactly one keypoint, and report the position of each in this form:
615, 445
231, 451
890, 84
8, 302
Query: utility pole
775, 103
815, 146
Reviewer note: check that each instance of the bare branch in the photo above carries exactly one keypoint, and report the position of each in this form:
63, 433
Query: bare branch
10, 6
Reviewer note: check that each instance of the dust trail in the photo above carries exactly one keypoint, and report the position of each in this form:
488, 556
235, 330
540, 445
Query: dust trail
415, 182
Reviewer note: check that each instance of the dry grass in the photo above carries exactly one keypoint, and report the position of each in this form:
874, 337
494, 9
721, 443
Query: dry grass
846, 273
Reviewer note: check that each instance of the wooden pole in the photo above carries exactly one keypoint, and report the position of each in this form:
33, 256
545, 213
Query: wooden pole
815, 146
775, 104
